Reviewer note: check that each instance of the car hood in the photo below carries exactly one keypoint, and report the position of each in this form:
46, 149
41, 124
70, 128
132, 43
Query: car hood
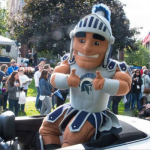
138, 123
141, 124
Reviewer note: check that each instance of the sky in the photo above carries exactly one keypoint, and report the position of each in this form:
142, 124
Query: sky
137, 11
3, 3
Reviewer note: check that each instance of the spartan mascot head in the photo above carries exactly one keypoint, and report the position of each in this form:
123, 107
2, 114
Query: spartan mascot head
98, 22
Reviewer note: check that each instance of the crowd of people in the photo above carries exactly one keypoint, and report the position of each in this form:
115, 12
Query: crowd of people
138, 96
13, 81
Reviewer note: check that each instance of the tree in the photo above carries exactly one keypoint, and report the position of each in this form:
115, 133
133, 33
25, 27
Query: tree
140, 57
46, 24
3, 23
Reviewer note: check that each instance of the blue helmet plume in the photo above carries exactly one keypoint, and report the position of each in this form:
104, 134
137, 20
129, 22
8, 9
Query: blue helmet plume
104, 8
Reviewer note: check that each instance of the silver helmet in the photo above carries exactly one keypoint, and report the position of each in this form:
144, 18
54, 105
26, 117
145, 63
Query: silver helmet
97, 22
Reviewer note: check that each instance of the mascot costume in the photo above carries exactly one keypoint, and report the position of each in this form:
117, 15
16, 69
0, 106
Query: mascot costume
92, 77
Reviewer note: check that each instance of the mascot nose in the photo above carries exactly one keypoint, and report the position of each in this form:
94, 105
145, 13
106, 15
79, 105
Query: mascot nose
87, 47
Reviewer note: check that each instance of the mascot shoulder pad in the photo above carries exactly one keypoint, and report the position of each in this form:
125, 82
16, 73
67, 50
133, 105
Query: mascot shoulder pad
124, 67
112, 65
71, 61
65, 57
129, 70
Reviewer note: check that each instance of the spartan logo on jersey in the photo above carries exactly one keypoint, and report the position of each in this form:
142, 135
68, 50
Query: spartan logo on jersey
86, 82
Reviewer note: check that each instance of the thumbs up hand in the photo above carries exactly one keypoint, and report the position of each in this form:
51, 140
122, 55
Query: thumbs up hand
73, 79
99, 81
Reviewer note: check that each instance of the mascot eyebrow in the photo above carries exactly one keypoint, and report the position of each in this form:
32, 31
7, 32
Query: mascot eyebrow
95, 36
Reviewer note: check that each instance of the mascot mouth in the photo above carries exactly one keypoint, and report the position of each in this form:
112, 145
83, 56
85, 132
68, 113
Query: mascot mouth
89, 56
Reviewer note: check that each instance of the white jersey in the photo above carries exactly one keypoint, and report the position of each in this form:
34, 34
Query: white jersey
85, 97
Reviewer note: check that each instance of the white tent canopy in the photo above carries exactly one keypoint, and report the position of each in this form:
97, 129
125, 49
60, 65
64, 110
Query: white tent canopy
6, 41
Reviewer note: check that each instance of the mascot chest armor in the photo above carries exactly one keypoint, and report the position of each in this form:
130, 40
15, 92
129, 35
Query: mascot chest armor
85, 97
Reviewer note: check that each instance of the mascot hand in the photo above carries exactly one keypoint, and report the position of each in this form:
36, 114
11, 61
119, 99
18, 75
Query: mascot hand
99, 81
73, 79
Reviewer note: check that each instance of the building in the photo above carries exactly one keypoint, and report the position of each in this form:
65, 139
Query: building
146, 41
15, 6
147, 45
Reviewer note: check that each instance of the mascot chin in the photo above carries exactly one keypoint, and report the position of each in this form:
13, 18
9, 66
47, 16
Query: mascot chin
92, 77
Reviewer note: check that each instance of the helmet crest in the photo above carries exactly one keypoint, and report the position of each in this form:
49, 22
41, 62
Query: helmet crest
102, 8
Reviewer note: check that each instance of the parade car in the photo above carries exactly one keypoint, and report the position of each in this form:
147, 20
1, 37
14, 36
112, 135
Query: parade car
22, 132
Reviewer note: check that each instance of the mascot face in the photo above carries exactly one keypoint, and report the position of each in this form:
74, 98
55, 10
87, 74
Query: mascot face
89, 49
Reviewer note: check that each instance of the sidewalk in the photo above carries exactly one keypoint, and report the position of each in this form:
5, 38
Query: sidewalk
30, 99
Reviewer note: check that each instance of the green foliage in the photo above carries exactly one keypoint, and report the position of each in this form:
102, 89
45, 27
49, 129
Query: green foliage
140, 57
3, 23
46, 24
49, 57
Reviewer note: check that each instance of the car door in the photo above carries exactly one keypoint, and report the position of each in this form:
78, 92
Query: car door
26, 129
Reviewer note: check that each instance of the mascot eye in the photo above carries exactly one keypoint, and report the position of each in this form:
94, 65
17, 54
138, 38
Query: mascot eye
96, 43
82, 41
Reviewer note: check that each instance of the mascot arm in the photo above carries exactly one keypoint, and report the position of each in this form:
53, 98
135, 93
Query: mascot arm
60, 75
62, 79
125, 81
119, 85
109, 86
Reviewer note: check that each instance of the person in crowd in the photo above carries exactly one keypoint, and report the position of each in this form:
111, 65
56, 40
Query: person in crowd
1, 75
141, 71
35, 58
146, 83
24, 81
144, 105
142, 102
109, 102
45, 92
136, 88
64, 94
129, 100
4, 68
38, 104
41, 61
50, 71
115, 103
54, 97
13, 84
13, 67
1, 96
133, 72
149, 73
29, 56
48, 68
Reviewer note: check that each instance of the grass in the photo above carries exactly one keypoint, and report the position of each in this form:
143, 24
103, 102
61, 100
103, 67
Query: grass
30, 110
32, 90
121, 111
